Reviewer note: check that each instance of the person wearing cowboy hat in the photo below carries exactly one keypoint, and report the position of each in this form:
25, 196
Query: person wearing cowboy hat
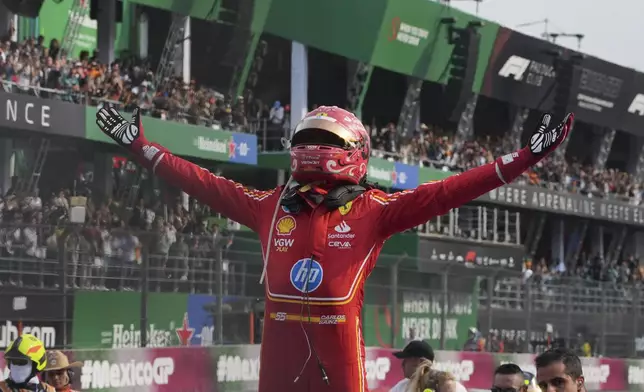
59, 371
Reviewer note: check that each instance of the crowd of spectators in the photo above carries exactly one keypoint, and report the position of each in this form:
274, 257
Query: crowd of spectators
106, 246
35, 67
435, 147
588, 268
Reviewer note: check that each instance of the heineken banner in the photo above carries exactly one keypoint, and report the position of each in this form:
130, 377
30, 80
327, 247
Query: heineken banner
189, 140
537, 198
521, 70
470, 253
236, 369
41, 314
174, 319
393, 174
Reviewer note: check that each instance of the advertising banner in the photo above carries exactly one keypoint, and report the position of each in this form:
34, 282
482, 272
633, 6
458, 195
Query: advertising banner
633, 117
602, 94
537, 198
419, 317
236, 369
521, 70
470, 253
393, 175
187, 139
50, 116
40, 314
174, 319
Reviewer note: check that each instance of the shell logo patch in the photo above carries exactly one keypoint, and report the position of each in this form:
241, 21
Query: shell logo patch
286, 225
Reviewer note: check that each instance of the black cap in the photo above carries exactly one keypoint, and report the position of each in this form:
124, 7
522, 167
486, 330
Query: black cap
416, 349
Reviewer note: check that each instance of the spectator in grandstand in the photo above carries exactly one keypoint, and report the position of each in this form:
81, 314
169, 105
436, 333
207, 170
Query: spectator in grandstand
414, 354
582, 346
474, 342
508, 378
559, 370
178, 263
495, 343
164, 236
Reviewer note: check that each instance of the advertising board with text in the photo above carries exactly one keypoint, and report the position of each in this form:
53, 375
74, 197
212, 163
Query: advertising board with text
393, 175
420, 316
469, 253
522, 71
174, 319
236, 369
50, 116
41, 314
537, 198
188, 140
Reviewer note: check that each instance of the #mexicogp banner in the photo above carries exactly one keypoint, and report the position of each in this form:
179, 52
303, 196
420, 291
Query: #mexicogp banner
236, 369
188, 140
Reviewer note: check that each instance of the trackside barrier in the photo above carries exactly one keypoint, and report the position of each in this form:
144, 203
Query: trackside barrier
236, 368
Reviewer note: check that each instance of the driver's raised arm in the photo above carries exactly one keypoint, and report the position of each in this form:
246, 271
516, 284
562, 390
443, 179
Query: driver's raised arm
222, 195
408, 209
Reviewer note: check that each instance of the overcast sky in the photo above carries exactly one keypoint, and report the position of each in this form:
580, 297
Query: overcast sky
613, 29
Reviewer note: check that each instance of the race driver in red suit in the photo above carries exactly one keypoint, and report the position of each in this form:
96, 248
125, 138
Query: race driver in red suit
322, 233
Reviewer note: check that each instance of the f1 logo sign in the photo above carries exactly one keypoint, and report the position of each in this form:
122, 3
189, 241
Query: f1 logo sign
637, 106
516, 66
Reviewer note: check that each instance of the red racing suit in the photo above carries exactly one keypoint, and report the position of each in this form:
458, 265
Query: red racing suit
328, 254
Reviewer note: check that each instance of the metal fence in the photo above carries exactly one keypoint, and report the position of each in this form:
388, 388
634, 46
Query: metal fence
527, 316
532, 314
490, 224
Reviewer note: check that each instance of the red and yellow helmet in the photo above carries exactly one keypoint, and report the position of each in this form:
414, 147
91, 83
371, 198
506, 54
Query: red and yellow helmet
330, 145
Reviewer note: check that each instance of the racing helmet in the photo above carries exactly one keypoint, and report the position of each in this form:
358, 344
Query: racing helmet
330, 145
27, 348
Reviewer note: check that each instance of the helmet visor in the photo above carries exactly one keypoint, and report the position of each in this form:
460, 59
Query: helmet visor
18, 361
319, 137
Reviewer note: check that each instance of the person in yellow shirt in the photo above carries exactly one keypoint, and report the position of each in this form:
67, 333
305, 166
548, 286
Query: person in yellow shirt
26, 358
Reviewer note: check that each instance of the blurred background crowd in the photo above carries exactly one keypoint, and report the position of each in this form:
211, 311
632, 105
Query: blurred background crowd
130, 82
186, 229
